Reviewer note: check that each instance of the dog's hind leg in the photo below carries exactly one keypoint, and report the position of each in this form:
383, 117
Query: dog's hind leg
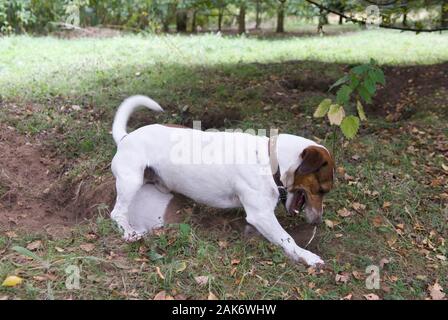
128, 182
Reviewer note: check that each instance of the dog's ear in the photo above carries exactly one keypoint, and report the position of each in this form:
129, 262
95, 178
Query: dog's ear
313, 159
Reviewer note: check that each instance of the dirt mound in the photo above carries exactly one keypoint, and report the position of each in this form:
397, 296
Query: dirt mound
405, 86
25, 182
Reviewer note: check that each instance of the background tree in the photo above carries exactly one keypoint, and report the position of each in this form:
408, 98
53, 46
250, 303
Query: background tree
281, 16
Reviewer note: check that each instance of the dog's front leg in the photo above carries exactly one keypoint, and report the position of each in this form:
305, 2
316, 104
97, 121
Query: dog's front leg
262, 217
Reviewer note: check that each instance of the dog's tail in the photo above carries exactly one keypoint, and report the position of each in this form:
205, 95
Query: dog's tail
125, 110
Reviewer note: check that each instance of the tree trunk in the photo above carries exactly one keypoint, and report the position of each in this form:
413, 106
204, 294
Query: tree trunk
220, 16
258, 14
281, 17
405, 19
193, 22
341, 20
171, 12
242, 19
444, 14
181, 20
323, 20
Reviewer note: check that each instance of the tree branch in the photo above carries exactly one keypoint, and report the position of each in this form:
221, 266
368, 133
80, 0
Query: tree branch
381, 25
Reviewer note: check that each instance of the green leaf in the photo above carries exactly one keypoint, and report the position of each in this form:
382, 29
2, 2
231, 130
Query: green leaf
369, 84
377, 75
25, 252
360, 69
343, 95
154, 256
364, 93
354, 81
184, 229
336, 114
361, 113
350, 126
322, 109
342, 80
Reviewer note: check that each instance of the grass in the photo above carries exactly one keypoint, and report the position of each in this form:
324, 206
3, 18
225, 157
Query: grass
230, 82
30, 67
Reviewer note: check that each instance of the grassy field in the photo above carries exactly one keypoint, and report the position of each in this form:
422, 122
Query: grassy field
60, 96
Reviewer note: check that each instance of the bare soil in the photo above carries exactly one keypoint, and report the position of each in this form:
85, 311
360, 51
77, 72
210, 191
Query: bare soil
25, 182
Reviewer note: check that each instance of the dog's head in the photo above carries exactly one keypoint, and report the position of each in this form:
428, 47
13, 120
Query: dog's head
309, 182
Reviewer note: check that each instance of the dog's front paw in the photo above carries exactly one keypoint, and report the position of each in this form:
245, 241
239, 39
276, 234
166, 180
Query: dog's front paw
132, 236
312, 260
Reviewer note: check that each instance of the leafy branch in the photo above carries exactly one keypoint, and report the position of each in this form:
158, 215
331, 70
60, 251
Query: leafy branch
357, 87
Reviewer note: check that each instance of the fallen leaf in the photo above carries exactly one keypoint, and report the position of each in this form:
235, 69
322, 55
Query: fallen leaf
393, 278
441, 257
311, 271
235, 262
60, 250
445, 167
377, 221
87, 247
160, 296
348, 177
386, 204
201, 280
34, 245
211, 296
348, 297
223, 244
159, 273
383, 262
40, 278
344, 213
357, 275
358, 206
181, 266
436, 291
12, 281
371, 296
11, 234
340, 171
329, 223
342, 277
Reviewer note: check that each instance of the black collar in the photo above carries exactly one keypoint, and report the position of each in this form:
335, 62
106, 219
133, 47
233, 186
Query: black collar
281, 188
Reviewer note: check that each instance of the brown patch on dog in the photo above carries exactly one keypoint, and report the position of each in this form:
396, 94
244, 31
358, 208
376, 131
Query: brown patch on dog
315, 175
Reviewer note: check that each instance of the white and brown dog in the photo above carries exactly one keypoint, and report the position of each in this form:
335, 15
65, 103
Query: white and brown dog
219, 169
